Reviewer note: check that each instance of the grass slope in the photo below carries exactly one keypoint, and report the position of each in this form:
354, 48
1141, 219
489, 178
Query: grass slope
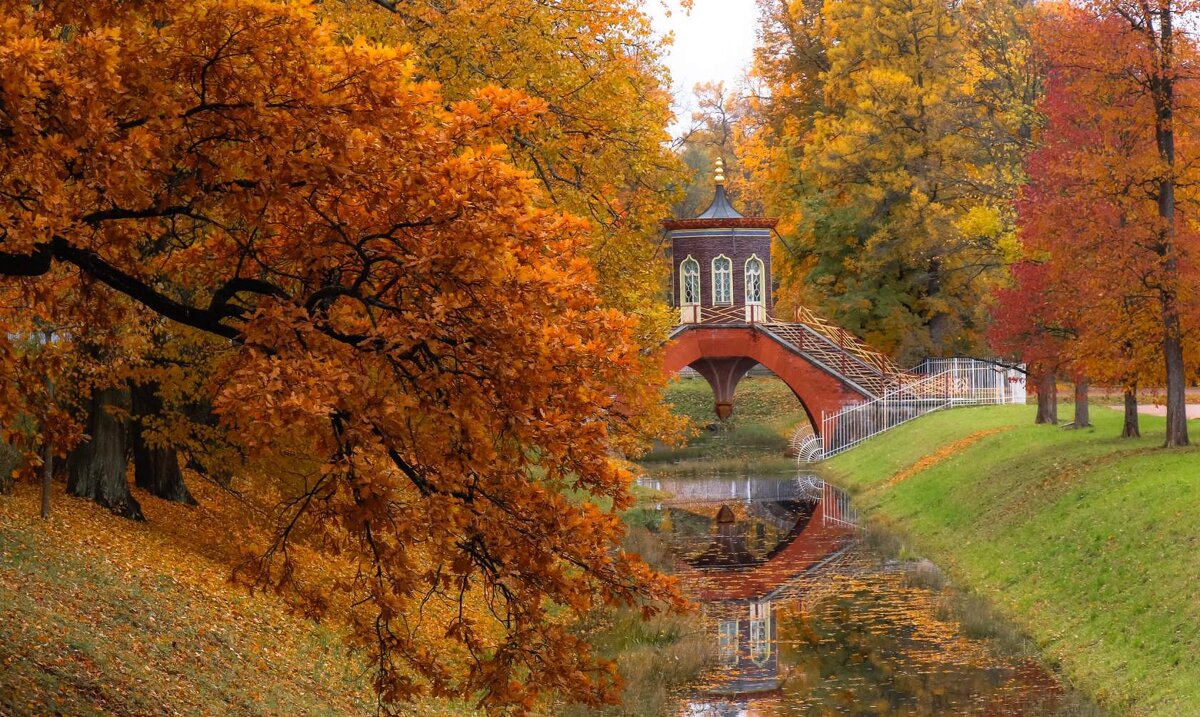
100, 615
1087, 540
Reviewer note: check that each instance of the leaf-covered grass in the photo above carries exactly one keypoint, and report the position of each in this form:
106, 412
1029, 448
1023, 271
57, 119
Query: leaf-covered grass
101, 615
1087, 540
765, 413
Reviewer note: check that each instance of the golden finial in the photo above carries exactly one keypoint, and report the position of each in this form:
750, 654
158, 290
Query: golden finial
720, 173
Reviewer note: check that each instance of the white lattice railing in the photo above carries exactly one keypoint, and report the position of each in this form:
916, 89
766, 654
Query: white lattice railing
965, 382
836, 508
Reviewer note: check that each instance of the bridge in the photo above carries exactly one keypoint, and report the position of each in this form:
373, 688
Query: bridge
826, 368
721, 286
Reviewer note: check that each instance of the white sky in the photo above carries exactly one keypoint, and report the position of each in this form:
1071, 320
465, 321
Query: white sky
713, 43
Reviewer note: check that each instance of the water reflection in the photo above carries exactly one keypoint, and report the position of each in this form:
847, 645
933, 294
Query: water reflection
806, 621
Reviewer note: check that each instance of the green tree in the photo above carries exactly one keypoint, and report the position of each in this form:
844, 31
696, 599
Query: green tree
894, 168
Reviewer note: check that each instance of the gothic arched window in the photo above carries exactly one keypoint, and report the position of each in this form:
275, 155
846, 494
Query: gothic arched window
754, 280
722, 279
760, 632
689, 285
727, 642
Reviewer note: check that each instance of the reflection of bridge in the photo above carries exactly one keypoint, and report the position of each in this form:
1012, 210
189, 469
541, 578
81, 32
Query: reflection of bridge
739, 587
719, 575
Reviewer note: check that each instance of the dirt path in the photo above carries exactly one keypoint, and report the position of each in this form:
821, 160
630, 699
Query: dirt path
1193, 409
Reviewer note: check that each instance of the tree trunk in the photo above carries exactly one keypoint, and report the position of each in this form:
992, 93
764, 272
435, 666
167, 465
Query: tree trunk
1083, 417
47, 458
1162, 87
1177, 432
155, 467
47, 476
96, 468
223, 459
1047, 398
939, 322
1130, 429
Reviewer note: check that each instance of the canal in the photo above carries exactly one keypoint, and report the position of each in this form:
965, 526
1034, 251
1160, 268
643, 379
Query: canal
806, 618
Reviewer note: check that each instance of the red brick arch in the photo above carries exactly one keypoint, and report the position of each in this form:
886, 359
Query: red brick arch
723, 355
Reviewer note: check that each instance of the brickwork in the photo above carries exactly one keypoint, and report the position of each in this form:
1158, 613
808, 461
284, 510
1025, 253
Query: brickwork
739, 244
817, 389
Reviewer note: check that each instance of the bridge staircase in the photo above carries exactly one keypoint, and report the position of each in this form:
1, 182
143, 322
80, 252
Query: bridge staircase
834, 349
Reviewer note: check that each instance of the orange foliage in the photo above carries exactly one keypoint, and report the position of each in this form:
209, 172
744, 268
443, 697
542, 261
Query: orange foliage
408, 349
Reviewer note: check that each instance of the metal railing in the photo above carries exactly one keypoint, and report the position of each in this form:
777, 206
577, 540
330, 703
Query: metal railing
965, 382
846, 340
836, 508
806, 445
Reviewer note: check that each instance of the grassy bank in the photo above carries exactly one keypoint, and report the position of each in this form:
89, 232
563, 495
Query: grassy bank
766, 413
1085, 540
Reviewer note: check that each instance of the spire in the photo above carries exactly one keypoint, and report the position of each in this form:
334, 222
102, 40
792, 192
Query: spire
720, 208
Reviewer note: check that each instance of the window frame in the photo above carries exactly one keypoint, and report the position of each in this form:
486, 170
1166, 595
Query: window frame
760, 632
683, 282
716, 294
762, 270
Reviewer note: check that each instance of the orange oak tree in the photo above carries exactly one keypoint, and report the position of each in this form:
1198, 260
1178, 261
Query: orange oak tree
387, 304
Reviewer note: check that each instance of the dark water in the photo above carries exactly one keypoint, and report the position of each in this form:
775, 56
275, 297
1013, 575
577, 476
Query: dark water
807, 620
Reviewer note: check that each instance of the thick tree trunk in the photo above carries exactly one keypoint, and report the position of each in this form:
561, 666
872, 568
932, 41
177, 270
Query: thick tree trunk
1130, 429
1083, 418
96, 468
1047, 398
155, 467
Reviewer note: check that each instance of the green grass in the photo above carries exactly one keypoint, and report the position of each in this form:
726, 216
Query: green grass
765, 413
1087, 541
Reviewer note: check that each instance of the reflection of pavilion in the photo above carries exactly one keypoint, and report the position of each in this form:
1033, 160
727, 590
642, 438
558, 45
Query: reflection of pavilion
740, 585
